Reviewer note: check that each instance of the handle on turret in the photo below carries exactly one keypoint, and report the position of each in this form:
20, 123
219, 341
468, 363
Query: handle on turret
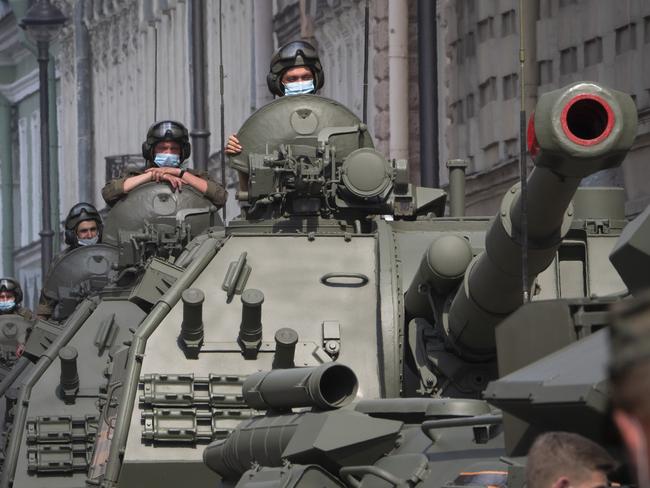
575, 132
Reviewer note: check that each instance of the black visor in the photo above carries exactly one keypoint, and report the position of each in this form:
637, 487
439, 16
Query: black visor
7, 284
290, 52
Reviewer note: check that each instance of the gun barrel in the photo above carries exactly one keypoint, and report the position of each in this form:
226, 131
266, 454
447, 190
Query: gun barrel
327, 386
575, 132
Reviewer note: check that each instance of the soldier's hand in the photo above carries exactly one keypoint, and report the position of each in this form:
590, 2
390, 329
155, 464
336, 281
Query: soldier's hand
158, 173
233, 147
174, 181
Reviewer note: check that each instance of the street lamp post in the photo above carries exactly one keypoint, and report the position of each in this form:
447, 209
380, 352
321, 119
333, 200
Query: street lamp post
42, 23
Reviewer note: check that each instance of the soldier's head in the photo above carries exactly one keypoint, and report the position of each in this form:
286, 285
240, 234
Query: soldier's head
630, 379
83, 225
11, 295
295, 70
564, 460
167, 144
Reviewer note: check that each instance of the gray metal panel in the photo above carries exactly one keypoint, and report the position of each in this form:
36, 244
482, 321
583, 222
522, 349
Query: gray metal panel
602, 276
573, 374
90, 367
287, 269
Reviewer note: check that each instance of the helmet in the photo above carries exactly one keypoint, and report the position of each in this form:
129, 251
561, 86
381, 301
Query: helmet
77, 214
11, 284
167, 130
296, 53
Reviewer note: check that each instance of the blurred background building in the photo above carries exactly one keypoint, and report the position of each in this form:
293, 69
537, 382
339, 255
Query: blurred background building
119, 65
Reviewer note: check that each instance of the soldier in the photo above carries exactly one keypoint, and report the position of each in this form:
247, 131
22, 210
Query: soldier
11, 296
83, 227
295, 70
630, 379
166, 147
564, 460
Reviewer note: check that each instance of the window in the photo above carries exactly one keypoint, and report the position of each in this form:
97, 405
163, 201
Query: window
486, 29
545, 72
469, 104
511, 148
35, 210
491, 153
625, 38
458, 51
510, 86
457, 113
568, 61
545, 9
470, 45
487, 91
566, 3
593, 51
25, 179
646, 22
508, 23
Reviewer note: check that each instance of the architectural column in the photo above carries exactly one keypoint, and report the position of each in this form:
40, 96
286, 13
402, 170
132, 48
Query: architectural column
85, 167
263, 49
398, 74
6, 189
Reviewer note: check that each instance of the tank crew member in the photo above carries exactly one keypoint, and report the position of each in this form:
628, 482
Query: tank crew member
295, 70
630, 380
83, 227
166, 148
564, 460
11, 296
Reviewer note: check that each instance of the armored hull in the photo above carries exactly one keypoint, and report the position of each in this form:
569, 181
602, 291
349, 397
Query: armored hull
336, 259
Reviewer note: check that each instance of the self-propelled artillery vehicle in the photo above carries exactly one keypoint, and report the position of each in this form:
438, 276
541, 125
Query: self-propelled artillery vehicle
341, 285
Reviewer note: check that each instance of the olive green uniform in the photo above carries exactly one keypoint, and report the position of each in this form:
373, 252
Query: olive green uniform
46, 304
114, 189
23, 312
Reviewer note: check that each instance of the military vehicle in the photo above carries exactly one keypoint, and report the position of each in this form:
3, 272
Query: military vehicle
344, 331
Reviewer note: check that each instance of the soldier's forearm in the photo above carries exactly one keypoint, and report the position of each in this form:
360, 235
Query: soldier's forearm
135, 181
195, 182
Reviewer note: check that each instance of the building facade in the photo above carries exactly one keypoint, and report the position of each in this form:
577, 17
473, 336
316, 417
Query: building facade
566, 41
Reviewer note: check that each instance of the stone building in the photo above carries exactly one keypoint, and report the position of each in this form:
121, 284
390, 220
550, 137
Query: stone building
20, 176
566, 41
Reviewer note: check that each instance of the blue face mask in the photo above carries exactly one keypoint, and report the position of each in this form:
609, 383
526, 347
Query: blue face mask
88, 242
7, 305
299, 87
167, 160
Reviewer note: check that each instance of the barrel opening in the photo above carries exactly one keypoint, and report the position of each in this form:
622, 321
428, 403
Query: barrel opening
338, 385
587, 120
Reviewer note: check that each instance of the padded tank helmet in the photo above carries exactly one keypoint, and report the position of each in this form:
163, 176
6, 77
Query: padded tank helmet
79, 213
167, 130
11, 284
291, 55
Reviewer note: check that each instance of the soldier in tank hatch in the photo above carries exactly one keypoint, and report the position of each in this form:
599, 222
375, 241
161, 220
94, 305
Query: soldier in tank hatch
295, 70
567, 460
11, 296
630, 379
83, 227
166, 148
